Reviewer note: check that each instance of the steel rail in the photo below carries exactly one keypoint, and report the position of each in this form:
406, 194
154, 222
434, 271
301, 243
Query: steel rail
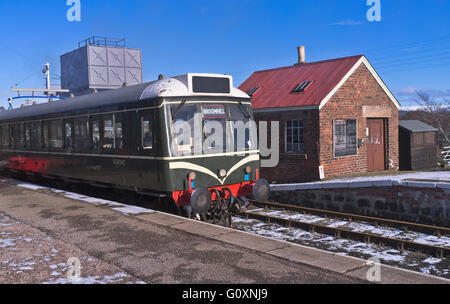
337, 232
436, 230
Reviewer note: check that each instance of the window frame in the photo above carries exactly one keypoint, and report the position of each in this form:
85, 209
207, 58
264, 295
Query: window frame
302, 128
147, 116
36, 143
59, 122
98, 120
81, 122
356, 137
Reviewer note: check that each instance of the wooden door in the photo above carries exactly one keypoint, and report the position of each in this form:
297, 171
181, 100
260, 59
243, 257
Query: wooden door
376, 145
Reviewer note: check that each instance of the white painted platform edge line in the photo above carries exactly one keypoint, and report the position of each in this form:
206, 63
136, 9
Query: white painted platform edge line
289, 244
419, 273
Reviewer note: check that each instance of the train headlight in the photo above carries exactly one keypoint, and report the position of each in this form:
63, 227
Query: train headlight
223, 173
248, 169
192, 175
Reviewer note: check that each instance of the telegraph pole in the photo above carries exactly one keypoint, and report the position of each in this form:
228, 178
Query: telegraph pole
46, 72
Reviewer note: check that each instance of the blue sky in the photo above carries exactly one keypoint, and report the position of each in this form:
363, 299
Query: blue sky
410, 47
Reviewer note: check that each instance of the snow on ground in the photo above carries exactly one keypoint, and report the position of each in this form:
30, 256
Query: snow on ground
432, 176
438, 176
122, 208
388, 255
390, 232
29, 256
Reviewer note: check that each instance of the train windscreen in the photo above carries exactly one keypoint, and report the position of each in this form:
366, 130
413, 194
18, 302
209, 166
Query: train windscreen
209, 128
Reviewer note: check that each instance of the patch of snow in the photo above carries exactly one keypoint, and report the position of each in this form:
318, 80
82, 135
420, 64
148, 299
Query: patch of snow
432, 260
31, 186
435, 176
122, 208
116, 278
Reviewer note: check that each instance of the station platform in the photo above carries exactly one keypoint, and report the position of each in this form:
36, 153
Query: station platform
40, 230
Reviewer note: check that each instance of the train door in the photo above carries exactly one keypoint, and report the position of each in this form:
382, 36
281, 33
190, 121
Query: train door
147, 147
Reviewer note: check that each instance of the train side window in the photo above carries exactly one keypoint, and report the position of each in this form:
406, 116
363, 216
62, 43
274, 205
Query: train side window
36, 136
147, 133
6, 137
18, 136
95, 134
28, 135
108, 132
11, 137
56, 134
45, 133
3, 143
81, 132
118, 131
68, 135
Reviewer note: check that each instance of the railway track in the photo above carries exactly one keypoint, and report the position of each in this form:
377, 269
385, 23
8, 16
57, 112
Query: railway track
406, 226
338, 232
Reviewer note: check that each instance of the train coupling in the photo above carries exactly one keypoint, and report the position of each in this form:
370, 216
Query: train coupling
219, 204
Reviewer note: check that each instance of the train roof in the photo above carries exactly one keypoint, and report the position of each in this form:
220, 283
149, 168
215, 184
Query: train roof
192, 84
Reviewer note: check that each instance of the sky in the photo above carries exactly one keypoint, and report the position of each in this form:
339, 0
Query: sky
409, 47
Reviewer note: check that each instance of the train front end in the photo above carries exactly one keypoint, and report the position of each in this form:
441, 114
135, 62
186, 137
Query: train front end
214, 162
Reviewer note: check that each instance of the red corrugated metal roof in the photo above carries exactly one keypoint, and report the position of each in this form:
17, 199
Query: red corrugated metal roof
277, 84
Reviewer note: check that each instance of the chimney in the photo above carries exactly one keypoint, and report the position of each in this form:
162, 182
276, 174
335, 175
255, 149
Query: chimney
301, 55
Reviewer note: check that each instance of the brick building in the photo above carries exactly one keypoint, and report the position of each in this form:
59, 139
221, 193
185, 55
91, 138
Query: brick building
337, 114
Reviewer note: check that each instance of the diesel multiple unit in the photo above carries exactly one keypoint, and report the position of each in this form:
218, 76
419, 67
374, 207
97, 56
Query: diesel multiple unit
131, 138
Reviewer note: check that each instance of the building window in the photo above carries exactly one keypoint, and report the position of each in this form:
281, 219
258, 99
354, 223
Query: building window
147, 134
345, 138
294, 136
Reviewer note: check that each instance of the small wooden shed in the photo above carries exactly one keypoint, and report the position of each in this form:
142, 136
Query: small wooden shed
417, 145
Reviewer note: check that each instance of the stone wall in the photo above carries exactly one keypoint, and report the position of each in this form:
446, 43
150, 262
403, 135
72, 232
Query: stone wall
420, 205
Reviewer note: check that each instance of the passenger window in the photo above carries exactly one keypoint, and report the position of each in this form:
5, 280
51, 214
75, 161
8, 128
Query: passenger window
27, 135
108, 133
82, 139
96, 134
68, 135
147, 133
56, 134
36, 136
5, 137
18, 136
118, 126
45, 132
11, 136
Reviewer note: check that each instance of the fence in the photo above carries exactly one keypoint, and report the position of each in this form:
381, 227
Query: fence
446, 154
